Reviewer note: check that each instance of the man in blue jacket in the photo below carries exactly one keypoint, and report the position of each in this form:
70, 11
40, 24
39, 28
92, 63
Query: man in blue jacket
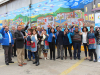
7, 44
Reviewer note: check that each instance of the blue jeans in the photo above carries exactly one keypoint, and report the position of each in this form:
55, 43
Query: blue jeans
77, 46
31, 54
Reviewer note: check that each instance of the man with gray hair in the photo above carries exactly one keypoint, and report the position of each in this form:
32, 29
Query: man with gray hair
14, 48
20, 39
39, 45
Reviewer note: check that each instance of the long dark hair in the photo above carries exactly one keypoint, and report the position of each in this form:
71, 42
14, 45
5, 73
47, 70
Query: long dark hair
83, 29
67, 29
34, 30
53, 29
31, 30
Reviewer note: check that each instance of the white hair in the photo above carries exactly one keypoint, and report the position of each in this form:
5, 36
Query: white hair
38, 27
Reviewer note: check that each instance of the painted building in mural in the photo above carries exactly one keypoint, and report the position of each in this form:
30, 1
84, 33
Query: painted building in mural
64, 13
90, 10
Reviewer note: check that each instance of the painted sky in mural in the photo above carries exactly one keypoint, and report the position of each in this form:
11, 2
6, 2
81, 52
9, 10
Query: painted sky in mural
46, 6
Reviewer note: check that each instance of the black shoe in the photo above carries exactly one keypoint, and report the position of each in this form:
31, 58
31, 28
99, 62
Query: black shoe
65, 58
95, 60
54, 59
61, 58
58, 58
7, 63
15, 55
12, 56
91, 60
50, 58
37, 63
79, 58
70, 58
74, 58
11, 62
34, 62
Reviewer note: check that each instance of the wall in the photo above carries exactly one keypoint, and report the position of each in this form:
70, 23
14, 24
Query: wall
16, 4
90, 18
64, 13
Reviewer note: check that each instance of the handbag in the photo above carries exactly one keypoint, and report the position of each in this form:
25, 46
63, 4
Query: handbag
46, 43
28, 43
33, 45
92, 41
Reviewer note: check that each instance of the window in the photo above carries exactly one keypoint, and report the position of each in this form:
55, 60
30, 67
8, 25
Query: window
86, 9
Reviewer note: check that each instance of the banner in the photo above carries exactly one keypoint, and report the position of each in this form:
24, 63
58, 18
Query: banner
97, 20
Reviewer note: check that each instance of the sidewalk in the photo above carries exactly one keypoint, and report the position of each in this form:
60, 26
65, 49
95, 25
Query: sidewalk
50, 67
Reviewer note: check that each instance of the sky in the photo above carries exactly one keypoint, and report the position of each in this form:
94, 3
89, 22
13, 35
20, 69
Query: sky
47, 6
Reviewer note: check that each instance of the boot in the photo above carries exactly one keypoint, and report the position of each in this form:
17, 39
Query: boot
91, 57
34, 62
37, 60
95, 57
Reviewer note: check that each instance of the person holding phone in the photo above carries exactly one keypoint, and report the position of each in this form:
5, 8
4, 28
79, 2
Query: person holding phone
51, 39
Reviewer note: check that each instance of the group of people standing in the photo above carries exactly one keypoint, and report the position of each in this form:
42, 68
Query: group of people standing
34, 41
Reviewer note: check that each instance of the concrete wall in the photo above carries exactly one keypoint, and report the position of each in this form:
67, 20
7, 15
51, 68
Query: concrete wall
16, 4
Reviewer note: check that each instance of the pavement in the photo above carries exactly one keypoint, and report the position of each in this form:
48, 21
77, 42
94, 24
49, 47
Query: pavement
50, 67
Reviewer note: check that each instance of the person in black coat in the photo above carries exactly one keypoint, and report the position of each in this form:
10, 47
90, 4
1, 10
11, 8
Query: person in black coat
20, 40
23, 31
59, 42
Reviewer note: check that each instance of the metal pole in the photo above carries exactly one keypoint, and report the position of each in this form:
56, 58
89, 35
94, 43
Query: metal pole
30, 11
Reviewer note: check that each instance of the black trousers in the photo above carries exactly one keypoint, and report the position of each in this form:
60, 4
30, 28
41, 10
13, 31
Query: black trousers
14, 50
69, 49
25, 54
52, 49
36, 55
8, 53
85, 48
92, 51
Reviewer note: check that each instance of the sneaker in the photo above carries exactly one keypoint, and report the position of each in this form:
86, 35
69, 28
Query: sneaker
47, 58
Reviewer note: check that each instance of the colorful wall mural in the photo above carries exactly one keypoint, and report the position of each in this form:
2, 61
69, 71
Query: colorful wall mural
49, 12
